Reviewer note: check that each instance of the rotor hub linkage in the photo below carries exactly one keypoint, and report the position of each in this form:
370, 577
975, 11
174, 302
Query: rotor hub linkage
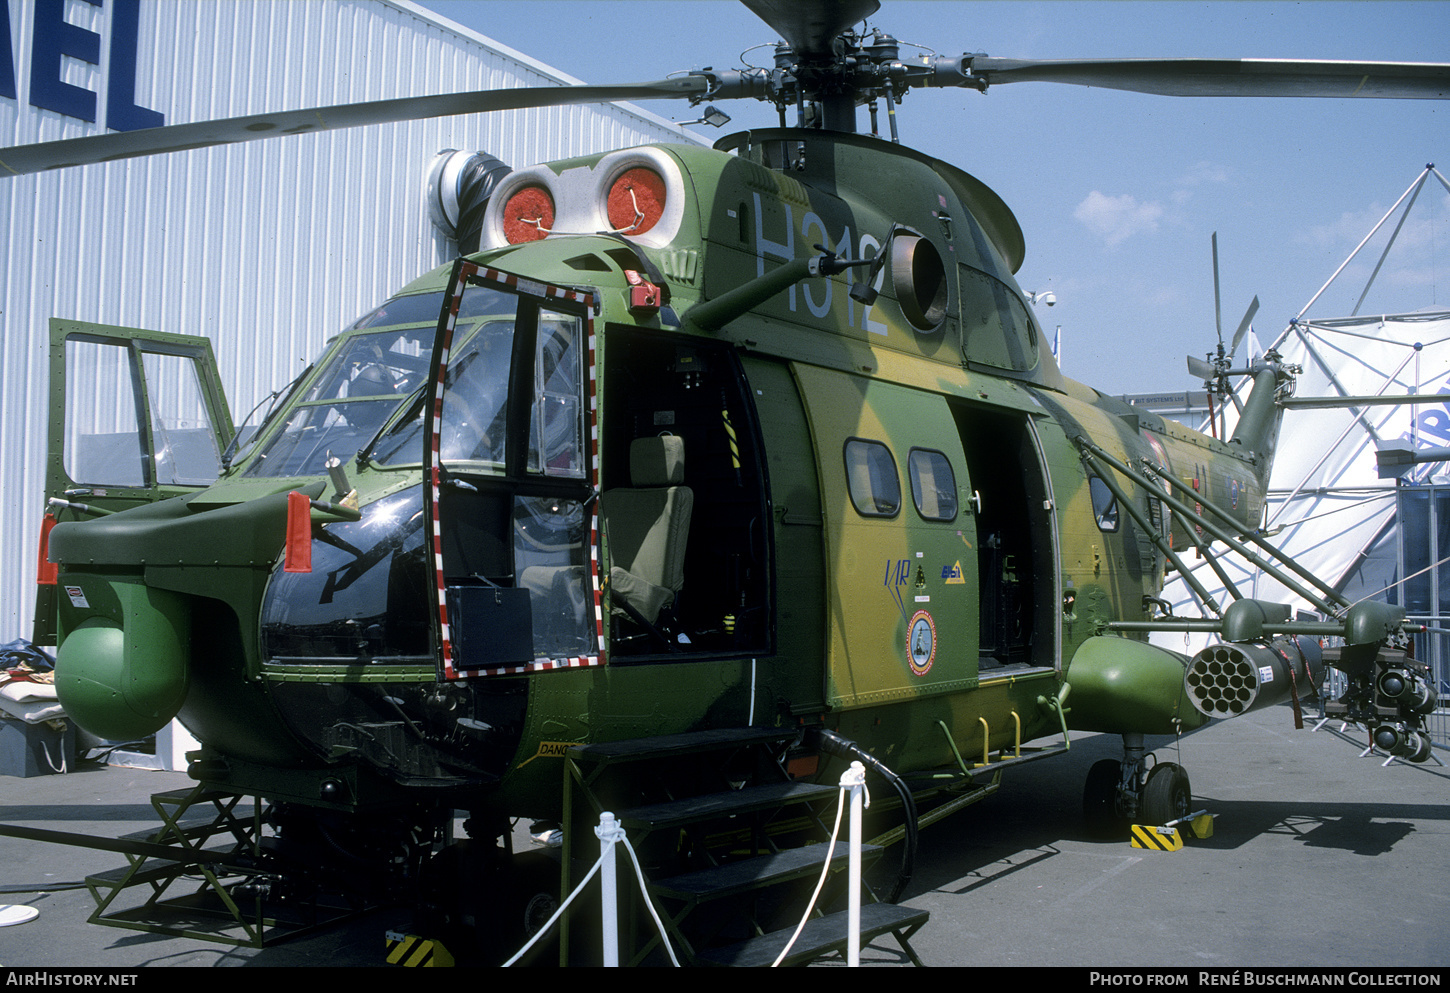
858, 69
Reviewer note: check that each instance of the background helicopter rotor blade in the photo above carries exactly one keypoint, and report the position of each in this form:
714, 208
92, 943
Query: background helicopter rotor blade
1244, 326
811, 27
1227, 77
1199, 369
23, 159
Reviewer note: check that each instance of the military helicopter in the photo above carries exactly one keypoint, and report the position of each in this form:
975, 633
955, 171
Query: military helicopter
693, 450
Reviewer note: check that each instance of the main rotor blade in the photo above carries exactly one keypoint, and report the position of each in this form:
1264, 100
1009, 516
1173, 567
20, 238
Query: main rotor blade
1228, 77
23, 159
1217, 308
810, 26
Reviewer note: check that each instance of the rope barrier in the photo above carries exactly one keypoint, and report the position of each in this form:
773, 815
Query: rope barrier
853, 779
610, 834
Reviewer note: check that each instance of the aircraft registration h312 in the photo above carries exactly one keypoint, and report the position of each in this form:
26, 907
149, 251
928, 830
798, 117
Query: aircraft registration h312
701, 473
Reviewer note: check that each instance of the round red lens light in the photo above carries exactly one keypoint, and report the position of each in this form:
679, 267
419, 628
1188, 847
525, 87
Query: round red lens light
528, 215
636, 201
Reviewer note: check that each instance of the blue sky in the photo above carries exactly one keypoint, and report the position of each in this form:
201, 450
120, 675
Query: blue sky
1117, 193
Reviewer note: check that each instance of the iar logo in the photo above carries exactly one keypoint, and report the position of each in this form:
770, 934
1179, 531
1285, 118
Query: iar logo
952, 574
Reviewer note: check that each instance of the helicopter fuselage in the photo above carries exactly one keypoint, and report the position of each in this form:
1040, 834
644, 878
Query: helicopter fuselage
894, 531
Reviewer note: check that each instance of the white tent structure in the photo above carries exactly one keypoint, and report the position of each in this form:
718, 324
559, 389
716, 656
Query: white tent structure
1327, 506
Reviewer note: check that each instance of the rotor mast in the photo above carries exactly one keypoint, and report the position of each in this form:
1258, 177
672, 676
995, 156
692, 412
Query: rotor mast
825, 64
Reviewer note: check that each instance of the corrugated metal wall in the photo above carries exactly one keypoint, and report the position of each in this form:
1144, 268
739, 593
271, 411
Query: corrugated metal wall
267, 248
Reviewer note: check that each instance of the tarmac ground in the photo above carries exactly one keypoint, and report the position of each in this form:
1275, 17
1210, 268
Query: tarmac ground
1321, 857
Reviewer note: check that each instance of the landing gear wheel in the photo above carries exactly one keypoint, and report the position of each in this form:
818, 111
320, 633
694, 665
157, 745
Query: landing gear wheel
1167, 795
533, 898
484, 905
1100, 800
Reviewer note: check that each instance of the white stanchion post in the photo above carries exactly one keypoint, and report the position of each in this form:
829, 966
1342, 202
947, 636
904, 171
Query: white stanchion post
854, 779
608, 832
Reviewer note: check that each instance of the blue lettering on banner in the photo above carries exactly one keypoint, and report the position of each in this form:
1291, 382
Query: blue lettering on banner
54, 39
1430, 423
1434, 423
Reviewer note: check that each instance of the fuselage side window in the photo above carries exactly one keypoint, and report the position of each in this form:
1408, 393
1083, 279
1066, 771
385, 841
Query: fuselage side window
1105, 505
933, 484
871, 478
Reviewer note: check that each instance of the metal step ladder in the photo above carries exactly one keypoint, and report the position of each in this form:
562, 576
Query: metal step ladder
727, 838
189, 876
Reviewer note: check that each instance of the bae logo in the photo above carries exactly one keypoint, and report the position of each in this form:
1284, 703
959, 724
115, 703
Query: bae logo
952, 575
54, 39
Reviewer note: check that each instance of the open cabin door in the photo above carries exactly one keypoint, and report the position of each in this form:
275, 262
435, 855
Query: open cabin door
1017, 544
135, 417
511, 474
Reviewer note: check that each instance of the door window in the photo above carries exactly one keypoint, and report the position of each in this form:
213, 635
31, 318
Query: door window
933, 485
556, 433
140, 413
871, 478
510, 501
183, 437
103, 440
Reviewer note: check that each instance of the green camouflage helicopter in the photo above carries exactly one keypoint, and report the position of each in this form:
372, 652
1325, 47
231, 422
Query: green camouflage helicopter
703, 472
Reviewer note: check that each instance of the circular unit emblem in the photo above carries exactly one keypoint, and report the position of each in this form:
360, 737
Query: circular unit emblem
921, 643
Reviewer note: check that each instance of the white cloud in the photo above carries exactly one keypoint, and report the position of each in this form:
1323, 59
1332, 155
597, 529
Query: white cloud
1204, 173
1118, 218
1422, 230
1345, 230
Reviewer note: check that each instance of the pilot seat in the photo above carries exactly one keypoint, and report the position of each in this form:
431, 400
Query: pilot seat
647, 526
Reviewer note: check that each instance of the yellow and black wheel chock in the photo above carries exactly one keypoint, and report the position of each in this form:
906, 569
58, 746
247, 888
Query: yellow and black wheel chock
1168, 837
415, 952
